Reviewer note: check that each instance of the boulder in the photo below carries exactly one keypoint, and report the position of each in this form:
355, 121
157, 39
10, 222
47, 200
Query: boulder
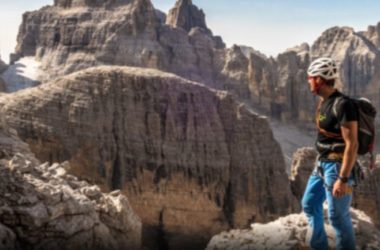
43, 207
303, 163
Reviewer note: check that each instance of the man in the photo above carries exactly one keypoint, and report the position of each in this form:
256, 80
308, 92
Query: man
337, 146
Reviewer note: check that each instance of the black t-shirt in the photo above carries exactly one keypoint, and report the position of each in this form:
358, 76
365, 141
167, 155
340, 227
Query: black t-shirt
332, 121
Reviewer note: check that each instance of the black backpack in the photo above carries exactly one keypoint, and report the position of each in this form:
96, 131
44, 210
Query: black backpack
366, 133
366, 123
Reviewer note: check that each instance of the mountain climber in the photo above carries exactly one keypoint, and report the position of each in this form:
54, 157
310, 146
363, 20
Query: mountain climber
332, 177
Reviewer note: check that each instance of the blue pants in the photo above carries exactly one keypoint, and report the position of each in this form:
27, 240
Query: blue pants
319, 189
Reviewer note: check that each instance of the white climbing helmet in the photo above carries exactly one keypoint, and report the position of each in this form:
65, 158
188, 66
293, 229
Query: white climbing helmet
324, 67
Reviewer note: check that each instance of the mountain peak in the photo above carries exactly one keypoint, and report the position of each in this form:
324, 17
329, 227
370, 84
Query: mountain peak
185, 15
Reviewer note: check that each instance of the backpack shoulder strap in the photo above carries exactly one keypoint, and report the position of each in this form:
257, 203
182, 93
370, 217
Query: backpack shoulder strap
336, 104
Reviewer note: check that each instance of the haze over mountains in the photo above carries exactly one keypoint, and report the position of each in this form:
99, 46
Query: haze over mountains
156, 106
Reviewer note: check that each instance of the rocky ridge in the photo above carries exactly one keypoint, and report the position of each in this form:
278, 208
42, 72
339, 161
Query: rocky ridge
66, 39
187, 157
44, 207
278, 86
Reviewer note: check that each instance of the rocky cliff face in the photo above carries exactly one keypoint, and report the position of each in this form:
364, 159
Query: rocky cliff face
359, 59
43, 207
278, 86
191, 160
373, 34
74, 35
234, 73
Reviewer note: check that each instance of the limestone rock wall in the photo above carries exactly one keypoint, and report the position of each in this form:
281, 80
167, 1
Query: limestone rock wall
43, 207
67, 39
192, 161
234, 73
292, 88
278, 86
262, 80
359, 59
373, 34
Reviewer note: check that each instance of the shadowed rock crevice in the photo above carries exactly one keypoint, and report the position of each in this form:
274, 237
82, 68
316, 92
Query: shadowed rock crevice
229, 206
162, 242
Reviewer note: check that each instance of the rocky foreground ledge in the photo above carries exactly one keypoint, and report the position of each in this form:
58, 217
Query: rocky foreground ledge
43, 207
292, 232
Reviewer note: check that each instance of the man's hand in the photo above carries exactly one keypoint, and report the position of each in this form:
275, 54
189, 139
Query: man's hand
340, 189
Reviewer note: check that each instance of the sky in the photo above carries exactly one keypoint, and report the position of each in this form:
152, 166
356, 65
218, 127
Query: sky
270, 26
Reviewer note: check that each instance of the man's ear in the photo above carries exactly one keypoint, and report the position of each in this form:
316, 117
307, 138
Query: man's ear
320, 80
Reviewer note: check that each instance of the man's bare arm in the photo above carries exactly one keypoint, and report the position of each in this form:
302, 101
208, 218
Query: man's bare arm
350, 137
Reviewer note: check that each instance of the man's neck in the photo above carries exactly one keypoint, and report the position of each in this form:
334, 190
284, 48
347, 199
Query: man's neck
327, 92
